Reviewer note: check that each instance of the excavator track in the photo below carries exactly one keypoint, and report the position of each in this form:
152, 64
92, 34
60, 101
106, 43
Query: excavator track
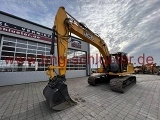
122, 84
97, 78
91, 80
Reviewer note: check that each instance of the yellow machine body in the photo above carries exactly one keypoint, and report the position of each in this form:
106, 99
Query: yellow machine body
56, 92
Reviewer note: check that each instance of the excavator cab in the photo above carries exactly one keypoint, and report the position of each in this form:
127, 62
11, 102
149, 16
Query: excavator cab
118, 62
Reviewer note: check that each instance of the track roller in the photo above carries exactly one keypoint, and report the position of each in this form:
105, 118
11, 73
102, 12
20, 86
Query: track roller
122, 84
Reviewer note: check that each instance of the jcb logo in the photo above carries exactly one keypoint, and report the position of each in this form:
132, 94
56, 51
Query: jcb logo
88, 35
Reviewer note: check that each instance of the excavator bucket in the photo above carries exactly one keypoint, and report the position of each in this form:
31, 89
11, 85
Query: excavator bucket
56, 94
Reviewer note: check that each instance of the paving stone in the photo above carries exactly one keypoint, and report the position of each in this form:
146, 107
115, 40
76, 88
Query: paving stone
126, 118
141, 102
121, 115
56, 117
83, 118
71, 115
79, 116
74, 118
38, 116
132, 117
65, 118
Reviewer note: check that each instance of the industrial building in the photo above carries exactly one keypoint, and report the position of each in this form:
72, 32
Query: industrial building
25, 52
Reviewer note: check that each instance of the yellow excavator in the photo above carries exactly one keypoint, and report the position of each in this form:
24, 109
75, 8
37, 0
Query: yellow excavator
148, 68
115, 67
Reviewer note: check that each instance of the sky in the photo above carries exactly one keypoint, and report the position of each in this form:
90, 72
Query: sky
131, 26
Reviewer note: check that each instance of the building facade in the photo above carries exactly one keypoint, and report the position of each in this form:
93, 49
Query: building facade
25, 52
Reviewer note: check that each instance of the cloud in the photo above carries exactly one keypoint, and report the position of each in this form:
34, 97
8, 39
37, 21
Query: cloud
125, 25
131, 26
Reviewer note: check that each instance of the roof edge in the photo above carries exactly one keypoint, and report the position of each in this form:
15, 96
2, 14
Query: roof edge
19, 18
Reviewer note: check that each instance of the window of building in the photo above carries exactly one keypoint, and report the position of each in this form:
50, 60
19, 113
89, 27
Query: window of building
23, 55
76, 60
